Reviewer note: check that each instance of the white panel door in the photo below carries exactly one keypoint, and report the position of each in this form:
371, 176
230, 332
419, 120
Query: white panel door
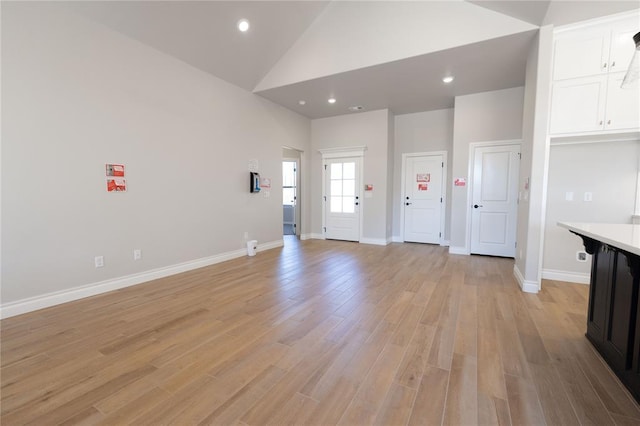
423, 199
494, 209
342, 199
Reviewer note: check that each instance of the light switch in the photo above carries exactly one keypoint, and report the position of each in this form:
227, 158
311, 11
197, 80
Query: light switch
588, 196
568, 196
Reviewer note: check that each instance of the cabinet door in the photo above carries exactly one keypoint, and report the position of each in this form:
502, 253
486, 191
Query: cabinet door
623, 105
622, 45
620, 332
598, 295
581, 54
577, 105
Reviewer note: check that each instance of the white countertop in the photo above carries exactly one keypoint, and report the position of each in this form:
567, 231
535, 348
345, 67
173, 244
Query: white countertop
622, 236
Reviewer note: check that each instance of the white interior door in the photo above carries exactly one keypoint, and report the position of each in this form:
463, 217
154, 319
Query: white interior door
423, 199
342, 199
494, 209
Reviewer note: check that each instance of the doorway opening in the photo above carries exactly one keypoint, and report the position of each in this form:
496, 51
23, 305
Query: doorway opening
289, 196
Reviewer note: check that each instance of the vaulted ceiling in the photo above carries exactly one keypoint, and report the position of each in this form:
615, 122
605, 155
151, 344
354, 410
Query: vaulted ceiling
377, 54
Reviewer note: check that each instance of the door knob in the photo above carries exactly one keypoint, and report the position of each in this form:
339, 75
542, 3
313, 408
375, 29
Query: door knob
357, 203
475, 206
406, 204
407, 198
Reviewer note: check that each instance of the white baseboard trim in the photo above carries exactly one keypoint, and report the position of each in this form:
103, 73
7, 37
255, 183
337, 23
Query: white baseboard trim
374, 241
526, 286
397, 239
305, 236
268, 246
445, 243
571, 277
314, 236
458, 250
56, 298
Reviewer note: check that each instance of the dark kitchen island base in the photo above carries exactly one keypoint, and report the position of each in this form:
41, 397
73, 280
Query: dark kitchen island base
613, 318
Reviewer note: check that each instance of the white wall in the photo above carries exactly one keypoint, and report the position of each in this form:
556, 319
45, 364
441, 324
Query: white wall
481, 117
609, 170
421, 132
77, 95
534, 163
368, 129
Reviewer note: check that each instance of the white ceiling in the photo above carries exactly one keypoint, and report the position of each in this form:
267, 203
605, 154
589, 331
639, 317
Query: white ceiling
204, 35
532, 11
413, 84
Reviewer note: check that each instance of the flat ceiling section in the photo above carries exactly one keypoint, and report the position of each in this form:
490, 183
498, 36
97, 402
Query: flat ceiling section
413, 84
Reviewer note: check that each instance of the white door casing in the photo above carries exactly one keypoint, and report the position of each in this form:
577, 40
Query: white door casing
342, 198
423, 183
494, 201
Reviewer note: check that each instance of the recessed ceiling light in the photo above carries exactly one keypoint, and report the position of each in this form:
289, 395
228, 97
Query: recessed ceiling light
243, 25
356, 108
448, 79
302, 102
332, 100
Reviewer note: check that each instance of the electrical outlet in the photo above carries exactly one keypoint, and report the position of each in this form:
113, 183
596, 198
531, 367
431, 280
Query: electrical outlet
246, 235
581, 256
137, 254
568, 196
99, 261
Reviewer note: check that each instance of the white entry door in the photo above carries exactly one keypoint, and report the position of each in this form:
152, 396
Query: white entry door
494, 208
423, 198
342, 199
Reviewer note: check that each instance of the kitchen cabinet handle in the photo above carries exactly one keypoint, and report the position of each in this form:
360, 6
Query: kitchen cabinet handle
609, 122
604, 65
601, 122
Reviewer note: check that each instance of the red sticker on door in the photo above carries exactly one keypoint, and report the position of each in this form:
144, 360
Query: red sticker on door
423, 187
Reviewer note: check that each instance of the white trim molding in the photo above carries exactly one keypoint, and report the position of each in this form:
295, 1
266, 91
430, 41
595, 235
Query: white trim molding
459, 250
570, 277
374, 241
397, 239
56, 298
526, 286
314, 236
347, 151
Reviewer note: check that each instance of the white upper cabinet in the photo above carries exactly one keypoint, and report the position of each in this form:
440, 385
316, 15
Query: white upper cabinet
622, 46
582, 54
623, 105
589, 64
578, 104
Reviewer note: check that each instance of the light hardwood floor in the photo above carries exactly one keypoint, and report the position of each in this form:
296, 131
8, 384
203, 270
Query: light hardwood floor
319, 332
